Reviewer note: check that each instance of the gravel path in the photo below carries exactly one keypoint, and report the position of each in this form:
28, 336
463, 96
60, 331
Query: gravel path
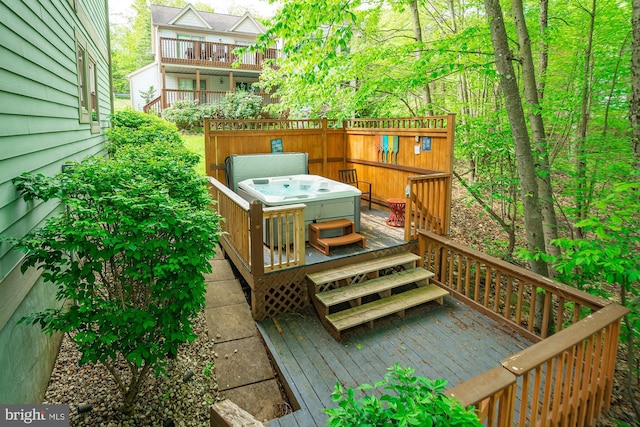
165, 401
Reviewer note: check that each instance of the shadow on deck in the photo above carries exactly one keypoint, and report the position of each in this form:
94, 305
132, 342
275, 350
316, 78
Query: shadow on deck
451, 341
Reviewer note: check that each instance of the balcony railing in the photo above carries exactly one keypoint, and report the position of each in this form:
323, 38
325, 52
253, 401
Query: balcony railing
209, 54
200, 96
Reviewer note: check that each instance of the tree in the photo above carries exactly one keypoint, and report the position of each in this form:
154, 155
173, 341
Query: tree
524, 156
609, 252
543, 169
634, 107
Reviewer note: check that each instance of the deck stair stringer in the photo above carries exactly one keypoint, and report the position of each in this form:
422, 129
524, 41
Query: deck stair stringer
358, 294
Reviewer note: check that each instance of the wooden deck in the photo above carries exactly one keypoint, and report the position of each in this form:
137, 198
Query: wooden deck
452, 342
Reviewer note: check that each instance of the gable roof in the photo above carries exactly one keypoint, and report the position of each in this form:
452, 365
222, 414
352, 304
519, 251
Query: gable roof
166, 15
189, 12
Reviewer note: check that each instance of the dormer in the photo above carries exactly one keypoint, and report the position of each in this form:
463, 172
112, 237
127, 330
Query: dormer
189, 17
246, 24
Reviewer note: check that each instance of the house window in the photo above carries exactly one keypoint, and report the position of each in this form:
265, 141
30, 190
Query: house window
188, 89
93, 95
87, 86
82, 84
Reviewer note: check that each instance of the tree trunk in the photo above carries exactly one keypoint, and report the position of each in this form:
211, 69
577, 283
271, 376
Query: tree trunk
417, 34
581, 199
634, 107
545, 190
544, 48
524, 156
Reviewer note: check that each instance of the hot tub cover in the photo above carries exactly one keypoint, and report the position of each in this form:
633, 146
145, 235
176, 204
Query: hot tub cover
239, 167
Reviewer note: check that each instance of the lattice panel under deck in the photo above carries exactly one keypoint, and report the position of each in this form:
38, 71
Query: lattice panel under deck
283, 293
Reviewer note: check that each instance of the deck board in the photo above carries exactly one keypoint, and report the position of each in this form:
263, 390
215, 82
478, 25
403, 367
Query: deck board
450, 341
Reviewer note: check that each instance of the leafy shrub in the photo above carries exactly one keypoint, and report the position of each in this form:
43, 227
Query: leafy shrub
211, 111
412, 401
184, 114
240, 105
131, 127
128, 251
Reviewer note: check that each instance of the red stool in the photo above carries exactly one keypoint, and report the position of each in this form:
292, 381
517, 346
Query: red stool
396, 219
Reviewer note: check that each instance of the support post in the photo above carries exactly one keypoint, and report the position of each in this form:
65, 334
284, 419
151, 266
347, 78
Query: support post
255, 236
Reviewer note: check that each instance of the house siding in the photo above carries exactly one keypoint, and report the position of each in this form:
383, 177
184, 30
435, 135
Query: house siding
39, 131
144, 78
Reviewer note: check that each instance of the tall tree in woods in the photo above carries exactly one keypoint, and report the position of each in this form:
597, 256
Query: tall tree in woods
582, 197
526, 165
417, 33
634, 108
531, 92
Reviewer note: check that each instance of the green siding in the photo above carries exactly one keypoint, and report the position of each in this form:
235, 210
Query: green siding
40, 131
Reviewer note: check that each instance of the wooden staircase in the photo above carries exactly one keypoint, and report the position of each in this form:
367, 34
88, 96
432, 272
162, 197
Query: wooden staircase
361, 293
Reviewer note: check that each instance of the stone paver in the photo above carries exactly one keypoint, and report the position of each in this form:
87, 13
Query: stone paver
231, 322
259, 397
243, 370
225, 292
242, 362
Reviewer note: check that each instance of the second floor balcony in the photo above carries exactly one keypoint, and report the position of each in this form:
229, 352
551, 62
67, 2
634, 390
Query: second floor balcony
210, 54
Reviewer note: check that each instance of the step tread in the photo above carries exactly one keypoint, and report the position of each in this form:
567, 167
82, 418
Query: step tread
345, 239
344, 272
374, 310
330, 225
372, 286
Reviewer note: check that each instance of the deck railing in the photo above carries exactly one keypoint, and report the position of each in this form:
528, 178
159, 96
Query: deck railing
565, 378
505, 291
210, 54
170, 96
427, 204
154, 107
243, 231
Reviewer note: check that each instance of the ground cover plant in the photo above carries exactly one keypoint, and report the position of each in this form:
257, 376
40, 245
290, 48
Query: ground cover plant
126, 253
408, 400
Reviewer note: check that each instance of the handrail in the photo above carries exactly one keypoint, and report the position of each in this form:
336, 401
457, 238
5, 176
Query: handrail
243, 227
154, 106
212, 54
428, 204
565, 379
504, 290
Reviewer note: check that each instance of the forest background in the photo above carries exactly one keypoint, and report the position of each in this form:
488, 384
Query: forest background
547, 102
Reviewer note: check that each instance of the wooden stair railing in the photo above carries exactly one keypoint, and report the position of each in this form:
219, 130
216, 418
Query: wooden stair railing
154, 106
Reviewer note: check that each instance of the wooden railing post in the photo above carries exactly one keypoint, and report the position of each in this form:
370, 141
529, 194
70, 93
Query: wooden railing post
255, 237
324, 146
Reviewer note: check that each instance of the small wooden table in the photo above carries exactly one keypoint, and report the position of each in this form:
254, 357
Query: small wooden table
396, 219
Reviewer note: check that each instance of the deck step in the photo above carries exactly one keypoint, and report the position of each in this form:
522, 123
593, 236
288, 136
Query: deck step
324, 244
374, 286
320, 278
369, 312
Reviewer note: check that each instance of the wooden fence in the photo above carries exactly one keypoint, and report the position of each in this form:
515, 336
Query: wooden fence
386, 152
563, 379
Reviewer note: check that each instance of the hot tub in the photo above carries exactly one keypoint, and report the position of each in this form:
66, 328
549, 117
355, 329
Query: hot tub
324, 198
